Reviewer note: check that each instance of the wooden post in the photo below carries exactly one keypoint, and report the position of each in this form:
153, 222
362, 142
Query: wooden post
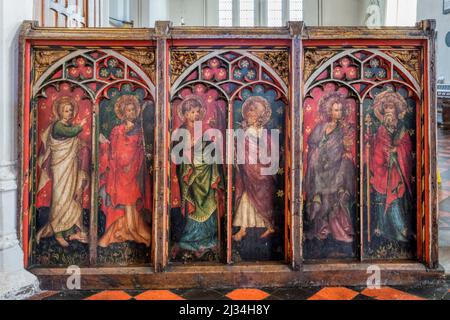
161, 174
296, 103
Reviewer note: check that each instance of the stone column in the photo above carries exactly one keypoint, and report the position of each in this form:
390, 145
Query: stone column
15, 281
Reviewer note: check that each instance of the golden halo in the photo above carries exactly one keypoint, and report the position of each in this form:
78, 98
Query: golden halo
186, 100
63, 101
394, 97
124, 101
267, 112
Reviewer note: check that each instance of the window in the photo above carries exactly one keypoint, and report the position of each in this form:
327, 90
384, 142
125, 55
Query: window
401, 12
295, 10
247, 13
226, 13
272, 13
275, 13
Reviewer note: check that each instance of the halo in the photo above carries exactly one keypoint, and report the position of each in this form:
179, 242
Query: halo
189, 98
379, 101
125, 100
334, 95
267, 112
66, 100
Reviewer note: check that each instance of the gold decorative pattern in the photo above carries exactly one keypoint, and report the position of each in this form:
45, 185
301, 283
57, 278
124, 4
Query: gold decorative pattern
181, 60
146, 59
314, 58
43, 59
409, 59
278, 60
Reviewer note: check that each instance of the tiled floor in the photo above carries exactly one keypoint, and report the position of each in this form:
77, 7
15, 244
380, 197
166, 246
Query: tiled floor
311, 293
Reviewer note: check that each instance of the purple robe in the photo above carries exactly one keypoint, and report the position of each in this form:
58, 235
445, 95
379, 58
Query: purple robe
329, 186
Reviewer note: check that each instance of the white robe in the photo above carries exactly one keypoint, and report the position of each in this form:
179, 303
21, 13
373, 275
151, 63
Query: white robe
67, 179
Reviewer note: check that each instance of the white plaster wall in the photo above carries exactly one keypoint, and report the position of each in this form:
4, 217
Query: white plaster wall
15, 282
194, 12
432, 9
336, 12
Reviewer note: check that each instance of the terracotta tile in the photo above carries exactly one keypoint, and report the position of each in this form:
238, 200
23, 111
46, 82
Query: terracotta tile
334, 293
158, 295
110, 295
387, 293
247, 294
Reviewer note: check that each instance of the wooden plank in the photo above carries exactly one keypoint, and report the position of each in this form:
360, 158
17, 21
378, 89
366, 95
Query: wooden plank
269, 275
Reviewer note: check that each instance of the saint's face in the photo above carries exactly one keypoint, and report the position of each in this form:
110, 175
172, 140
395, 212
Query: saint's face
67, 112
254, 115
336, 112
130, 112
193, 114
389, 109
390, 115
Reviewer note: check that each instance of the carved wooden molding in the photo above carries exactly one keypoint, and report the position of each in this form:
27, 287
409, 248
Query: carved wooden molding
44, 59
314, 59
144, 58
181, 60
410, 59
278, 60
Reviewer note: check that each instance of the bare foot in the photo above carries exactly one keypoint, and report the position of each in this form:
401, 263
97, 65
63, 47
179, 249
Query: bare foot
241, 234
62, 242
102, 244
267, 233
79, 236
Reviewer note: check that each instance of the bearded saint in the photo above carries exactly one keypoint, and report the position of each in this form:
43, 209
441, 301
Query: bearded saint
391, 168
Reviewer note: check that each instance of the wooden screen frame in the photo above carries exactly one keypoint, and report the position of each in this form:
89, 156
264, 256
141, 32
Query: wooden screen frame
164, 275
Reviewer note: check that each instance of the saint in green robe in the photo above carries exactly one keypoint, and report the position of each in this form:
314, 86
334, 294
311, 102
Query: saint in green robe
201, 185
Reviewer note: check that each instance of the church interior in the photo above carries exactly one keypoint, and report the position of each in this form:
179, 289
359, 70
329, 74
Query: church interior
225, 150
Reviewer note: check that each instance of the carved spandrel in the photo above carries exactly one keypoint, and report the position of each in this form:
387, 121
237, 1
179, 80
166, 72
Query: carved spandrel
146, 59
181, 60
43, 59
314, 59
409, 59
278, 60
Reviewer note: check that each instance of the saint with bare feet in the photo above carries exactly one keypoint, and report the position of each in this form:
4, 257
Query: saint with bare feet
254, 197
124, 194
64, 161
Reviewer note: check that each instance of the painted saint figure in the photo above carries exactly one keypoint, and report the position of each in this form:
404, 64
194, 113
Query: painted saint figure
201, 187
254, 197
124, 176
391, 168
65, 162
330, 174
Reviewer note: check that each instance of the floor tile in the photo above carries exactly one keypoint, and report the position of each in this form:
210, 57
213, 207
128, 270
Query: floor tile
71, 295
295, 293
334, 293
388, 293
426, 292
43, 295
199, 294
158, 295
247, 294
110, 295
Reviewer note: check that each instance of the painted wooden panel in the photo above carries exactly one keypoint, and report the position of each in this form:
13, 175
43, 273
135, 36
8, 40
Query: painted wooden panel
360, 161
233, 92
94, 129
348, 131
